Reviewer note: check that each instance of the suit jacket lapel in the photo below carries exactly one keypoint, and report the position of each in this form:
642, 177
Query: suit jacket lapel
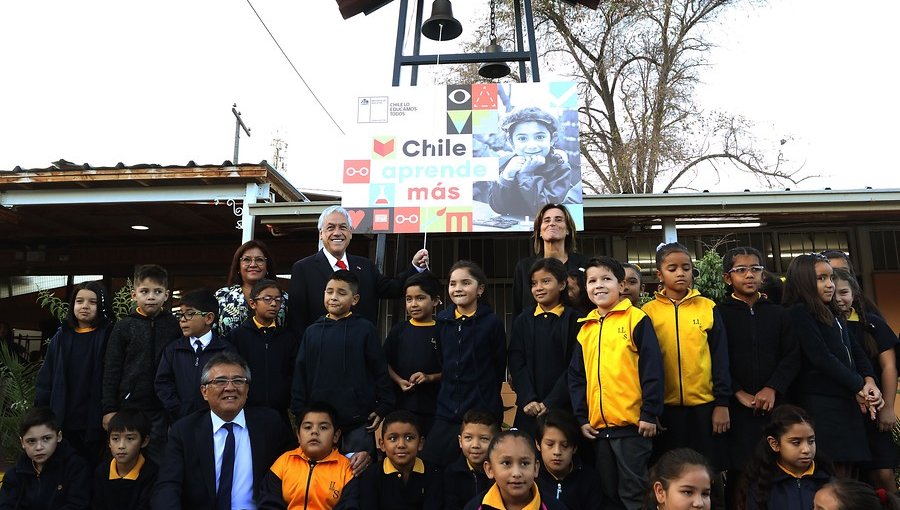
207, 461
323, 266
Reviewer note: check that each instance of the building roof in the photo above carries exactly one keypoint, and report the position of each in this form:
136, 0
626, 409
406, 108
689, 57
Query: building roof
69, 201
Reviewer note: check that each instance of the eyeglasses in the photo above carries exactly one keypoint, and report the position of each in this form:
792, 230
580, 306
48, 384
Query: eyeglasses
251, 260
269, 300
179, 316
744, 269
222, 382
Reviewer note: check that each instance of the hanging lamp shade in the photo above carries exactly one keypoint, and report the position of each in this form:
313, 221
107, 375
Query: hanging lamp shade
493, 70
441, 26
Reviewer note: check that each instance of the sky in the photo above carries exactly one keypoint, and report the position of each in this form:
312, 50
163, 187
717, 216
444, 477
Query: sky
104, 81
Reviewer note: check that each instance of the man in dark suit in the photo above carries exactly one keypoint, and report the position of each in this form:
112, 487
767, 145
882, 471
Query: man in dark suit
309, 275
216, 459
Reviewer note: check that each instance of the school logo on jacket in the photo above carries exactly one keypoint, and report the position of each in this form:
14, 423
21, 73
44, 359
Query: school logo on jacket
335, 493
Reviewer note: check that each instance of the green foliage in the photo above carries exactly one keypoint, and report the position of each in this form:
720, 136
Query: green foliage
17, 380
59, 309
710, 283
122, 302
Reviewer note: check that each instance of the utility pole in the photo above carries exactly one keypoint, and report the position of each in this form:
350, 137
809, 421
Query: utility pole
239, 123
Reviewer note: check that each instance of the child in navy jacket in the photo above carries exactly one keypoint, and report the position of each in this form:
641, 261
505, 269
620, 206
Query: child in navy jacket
270, 350
178, 375
48, 475
340, 361
763, 357
473, 354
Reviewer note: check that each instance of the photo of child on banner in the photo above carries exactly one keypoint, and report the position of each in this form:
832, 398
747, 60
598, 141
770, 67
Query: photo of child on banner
539, 161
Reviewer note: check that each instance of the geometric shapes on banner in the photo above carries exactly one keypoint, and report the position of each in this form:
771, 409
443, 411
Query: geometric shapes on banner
406, 220
381, 195
447, 219
357, 171
459, 97
484, 96
383, 147
357, 217
564, 95
485, 121
459, 122
458, 219
381, 220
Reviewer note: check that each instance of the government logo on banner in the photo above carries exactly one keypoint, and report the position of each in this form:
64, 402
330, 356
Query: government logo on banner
462, 158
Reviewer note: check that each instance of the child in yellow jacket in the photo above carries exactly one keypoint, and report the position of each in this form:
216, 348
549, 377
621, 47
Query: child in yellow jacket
695, 359
615, 381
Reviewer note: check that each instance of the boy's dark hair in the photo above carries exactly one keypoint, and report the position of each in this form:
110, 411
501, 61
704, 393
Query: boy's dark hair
202, 300
400, 416
135, 421
426, 281
559, 419
513, 433
728, 259
151, 272
103, 304
480, 417
609, 263
667, 249
36, 417
800, 287
262, 285
319, 407
528, 114
343, 275
234, 272
569, 243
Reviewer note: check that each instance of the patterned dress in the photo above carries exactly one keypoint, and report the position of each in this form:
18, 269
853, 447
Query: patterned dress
234, 310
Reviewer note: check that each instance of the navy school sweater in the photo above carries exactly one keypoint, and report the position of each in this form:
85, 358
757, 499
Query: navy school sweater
341, 362
473, 359
579, 489
761, 350
64, 483
178, 375
411, 348
119, 493
270, 353
461, 484
540, 349
382, 488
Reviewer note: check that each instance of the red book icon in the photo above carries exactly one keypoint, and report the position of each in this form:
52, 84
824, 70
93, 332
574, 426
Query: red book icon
383, 148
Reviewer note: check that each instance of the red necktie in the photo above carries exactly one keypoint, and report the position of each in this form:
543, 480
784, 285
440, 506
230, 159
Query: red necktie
340, 264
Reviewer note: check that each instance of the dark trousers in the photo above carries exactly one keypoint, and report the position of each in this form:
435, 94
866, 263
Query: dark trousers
159, 435
442, 444
622, 464
691, 427
357, 439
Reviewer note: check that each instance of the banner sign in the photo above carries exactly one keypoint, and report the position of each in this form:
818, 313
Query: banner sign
463, 158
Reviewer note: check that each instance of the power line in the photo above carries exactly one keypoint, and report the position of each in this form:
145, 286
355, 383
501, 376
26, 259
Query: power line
295, 69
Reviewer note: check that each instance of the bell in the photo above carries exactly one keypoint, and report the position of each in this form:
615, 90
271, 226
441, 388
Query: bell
441, 26
493, 70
